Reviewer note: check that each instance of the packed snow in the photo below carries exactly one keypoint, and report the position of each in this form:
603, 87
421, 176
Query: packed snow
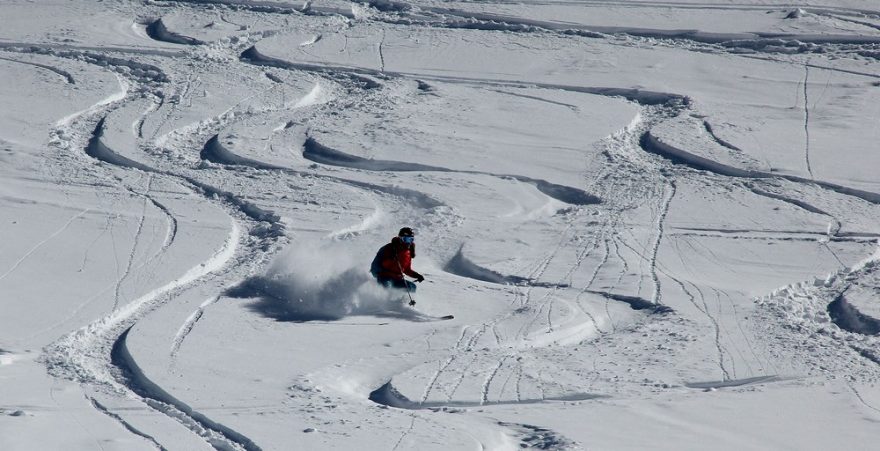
655, 224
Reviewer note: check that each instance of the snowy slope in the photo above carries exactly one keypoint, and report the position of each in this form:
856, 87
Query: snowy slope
654, 222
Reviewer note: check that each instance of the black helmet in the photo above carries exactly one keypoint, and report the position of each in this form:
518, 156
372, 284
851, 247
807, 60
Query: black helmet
406, 231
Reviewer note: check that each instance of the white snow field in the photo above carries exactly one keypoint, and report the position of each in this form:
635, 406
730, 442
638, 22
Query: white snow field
656, 224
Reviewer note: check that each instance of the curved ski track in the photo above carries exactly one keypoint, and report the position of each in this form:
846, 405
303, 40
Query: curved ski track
85, 355
631, 156
626, 154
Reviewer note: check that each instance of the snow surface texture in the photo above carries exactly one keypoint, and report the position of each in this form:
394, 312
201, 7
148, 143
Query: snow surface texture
654, 222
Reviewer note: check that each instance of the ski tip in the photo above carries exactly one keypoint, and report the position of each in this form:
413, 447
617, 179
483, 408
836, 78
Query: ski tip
447, 317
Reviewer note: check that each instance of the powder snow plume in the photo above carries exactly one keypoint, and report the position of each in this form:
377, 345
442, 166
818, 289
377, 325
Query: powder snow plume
319, 282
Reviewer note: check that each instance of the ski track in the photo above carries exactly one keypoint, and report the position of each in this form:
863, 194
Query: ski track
105, 327
171, 233
861, 398
154, 106
461, 376
755, 357
412, 425
217, 435
430, 386
123, 92
78, 356
62, 73
536, 275
471, 343
131, 256
90, 337
81, 355
657, 297
807, 119
717, 139
719, 348
37, 246
507, 381
526, 298
180, 94
723, 331
441, 367
484, 391
158, 31
120, 317
381, 53
189, 325
103, 409
847, 19
317, 152
85, 259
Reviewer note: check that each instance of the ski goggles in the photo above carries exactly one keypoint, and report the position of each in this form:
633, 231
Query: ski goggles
408, 239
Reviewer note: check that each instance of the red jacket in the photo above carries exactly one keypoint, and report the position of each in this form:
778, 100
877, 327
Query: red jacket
393, 261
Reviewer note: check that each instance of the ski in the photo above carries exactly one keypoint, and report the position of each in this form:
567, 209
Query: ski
428, 318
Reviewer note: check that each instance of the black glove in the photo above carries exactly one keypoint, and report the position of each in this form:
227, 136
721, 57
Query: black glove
420, 278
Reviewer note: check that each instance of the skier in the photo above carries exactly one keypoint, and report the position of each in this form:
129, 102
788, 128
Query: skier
393, 261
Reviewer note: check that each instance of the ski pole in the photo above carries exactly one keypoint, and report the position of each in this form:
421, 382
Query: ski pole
406, 284
411, 300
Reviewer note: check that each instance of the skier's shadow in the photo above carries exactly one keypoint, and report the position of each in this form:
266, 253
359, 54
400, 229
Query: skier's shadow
269, 300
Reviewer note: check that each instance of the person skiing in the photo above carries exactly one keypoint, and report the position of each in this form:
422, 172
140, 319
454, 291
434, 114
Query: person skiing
394, 260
